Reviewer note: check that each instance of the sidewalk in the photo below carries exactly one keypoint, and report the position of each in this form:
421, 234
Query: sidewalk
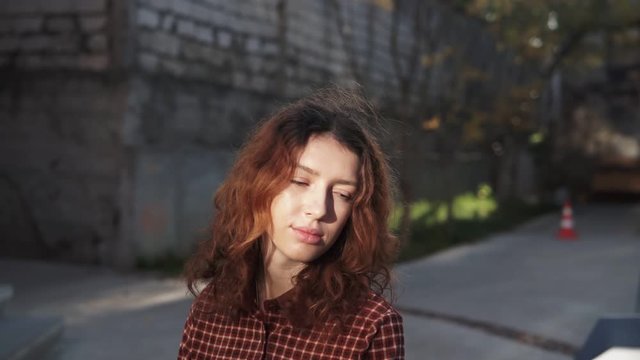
523, 279
107, 315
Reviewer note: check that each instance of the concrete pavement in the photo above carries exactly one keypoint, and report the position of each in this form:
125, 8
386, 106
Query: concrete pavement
523, 280
107, 315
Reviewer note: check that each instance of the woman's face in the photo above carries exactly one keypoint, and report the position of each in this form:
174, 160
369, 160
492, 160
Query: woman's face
309, 214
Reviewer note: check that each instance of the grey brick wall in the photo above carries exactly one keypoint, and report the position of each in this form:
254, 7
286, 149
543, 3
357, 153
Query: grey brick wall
61, 116
287, 46
60, 157
120, 118
41, 34
184, 135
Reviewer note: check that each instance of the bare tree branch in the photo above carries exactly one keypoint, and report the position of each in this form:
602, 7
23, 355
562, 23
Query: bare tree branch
346, 37
405, 76
563, 50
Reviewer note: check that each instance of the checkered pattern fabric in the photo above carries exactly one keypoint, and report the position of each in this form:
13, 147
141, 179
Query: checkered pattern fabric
374, 333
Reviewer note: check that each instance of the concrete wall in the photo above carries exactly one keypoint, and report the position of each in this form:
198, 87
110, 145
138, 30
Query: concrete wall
183, 135
207, 70
60, 114
120, 118
39, 34
60, 156
275, 47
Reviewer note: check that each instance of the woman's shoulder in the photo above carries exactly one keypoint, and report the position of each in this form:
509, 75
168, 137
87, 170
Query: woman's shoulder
204, 301
376, 307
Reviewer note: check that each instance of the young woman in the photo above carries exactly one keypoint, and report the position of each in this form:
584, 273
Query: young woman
300, 251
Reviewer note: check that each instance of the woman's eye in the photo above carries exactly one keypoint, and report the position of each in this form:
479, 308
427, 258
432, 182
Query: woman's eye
345, 196
298, 182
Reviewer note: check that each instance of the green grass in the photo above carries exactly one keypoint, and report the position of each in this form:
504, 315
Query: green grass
475, 216
466, 206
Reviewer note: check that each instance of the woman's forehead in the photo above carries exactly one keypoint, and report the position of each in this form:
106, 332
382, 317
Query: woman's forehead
325, 156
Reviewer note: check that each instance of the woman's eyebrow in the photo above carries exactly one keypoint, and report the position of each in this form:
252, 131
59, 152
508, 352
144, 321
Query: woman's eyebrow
308, 169
316, 173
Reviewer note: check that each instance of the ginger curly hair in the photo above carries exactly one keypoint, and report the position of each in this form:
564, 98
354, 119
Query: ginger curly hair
328, 288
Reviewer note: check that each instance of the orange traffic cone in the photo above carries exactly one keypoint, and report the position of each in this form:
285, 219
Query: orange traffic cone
566, 231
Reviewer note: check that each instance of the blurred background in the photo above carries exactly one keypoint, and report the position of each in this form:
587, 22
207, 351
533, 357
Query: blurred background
119, 119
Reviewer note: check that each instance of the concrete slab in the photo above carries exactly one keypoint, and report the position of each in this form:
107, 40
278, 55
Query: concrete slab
106, 314
146, 333
527, 280
428, 339
6, 293
27, 338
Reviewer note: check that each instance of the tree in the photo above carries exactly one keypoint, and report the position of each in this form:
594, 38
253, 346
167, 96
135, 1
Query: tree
409, 40
557, 40
548, 32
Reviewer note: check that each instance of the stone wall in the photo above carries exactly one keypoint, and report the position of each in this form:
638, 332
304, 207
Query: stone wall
207, 71
61, 113
275, 47
60, 156
120, 118
40, 34
183, 135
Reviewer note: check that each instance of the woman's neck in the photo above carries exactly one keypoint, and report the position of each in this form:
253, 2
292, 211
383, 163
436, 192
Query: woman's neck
277, 278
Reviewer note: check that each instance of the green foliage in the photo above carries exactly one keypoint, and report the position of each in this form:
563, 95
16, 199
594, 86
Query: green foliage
538, 29
168, 264
475, 216
466, 206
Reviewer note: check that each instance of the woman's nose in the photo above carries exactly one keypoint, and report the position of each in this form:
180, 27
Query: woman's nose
316, 203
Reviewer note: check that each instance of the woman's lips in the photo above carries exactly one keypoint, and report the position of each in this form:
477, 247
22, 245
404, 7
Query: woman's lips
308, 236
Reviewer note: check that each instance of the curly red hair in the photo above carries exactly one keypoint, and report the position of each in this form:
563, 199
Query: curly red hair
329, 287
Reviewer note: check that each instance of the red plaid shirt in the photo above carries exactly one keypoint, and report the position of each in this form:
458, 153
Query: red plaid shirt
375, 333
